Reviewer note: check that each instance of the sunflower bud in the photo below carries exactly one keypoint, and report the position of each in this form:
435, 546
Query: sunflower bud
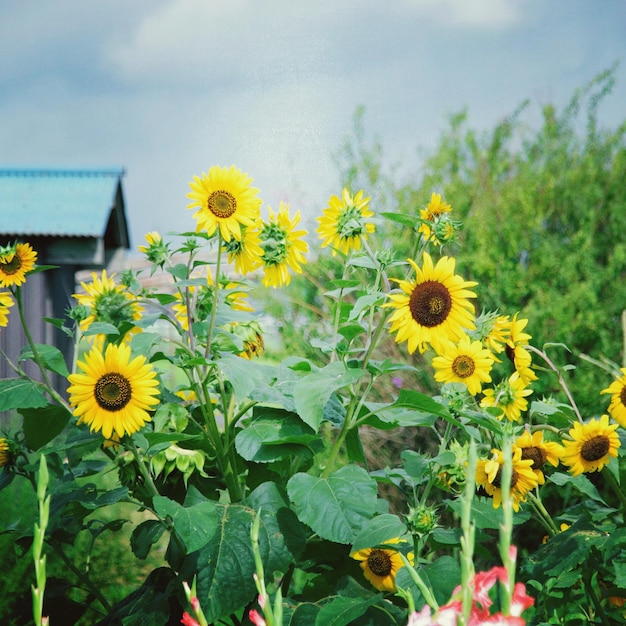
182, 459
422, 520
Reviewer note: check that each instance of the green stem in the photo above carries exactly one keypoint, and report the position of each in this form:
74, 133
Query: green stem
333, 355
591, 592
562, 382
225, 461
36, 356
143, 470
216, 287
85, 582
610, 479
544, 517
421, 585
39, 558
356, 401
467, 540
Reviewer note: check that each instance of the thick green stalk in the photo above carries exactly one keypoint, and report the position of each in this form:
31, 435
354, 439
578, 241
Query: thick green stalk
39, 557
467, 540
36, 356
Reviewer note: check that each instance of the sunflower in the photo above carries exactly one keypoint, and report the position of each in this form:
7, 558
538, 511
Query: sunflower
592, 445
224, 199
15, 262
431, 215
344, 222
493, 330
540, 452
509, 396
433, 309
617, 408
380, 566
517, 353
251, 334
283, 247
156, 251
246, 253
5, 452
114, 393
465, 362
6, 302
523, 478
107, 302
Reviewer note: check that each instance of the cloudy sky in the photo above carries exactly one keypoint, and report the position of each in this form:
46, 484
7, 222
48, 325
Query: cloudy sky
167, 88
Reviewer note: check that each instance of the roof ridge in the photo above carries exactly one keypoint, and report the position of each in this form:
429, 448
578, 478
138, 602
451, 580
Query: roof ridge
62, 171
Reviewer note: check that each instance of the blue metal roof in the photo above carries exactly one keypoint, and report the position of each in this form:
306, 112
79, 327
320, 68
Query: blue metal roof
57, 202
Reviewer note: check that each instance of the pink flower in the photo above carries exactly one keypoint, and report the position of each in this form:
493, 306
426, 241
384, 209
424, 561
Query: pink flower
256, 618
188, 620
481, 603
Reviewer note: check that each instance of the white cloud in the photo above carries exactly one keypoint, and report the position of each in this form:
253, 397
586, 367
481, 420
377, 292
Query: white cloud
469, 14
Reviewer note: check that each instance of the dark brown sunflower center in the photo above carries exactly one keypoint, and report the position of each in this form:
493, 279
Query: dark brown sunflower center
379, 562
497, 481
222, 204
510, 353
622, 396
595, 448
430, 303
13, 266
536, 455
113, 392
463, 366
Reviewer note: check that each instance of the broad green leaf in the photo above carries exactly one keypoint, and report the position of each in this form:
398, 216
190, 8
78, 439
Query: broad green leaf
224, 567
178, 271
274, 435
302, 615
20, 393
52, 358
485, 516
195, 525
393, 415
344, 610
378, 530
581, 483
364, 303
350, 331
335, 507
401, 218
441, 576
150, 604
101, 328
424, 403
415, 464
142, 343
280, 523
42, 424
313, 391
145, 536
244, 375
565, 551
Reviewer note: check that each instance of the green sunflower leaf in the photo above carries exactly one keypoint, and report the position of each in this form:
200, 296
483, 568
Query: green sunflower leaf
276, 434
19, 393
312, 392
145, 536
406, 220
337, 507
378, 530
51, 357
344, 610
195, 525
224, 567
303, 614
42, 424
